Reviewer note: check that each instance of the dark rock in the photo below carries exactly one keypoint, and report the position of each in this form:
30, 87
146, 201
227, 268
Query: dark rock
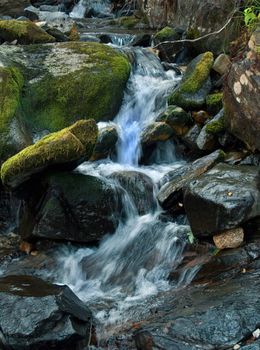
105, 39
195, 85
53, 317
32, 13
179, 120
13, 8
155, 132
143, 40
190, 138
252, 159
9, 207
139, 188
206, 141
106, 142
71, 207
173, 182
241, 97
225, 197
57, 34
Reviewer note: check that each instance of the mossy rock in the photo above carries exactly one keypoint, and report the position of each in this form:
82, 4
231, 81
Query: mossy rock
179, 120
74, 81
12, 138
106, 142
216, 125
25, 32
195, 85
156, 132
166, 34
69, 146
214, 103
128, 22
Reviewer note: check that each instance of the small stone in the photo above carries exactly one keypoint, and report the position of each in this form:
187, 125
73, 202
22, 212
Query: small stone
236, 347
222, 64
229, 239
256, 333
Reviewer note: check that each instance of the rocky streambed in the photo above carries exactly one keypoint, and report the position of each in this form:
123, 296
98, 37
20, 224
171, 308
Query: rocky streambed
129, 195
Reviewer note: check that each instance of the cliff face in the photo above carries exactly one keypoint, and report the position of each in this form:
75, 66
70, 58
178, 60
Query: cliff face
206, 15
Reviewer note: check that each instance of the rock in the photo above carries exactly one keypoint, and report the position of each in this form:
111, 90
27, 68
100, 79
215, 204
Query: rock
222, 64
166, 34
32, 13
96, 8
241, 97
49, 8
13, 8
216, 125
25, 32
214, 103
75, 207
106, 142
155, 132
190, 138
51, 100
9, 207
69, 147
143, 40
206, 141
179, 120
252, 159
53, 316
195, 85
139, 188
173, 182
223, 198
200, 117
57, 34
229, 239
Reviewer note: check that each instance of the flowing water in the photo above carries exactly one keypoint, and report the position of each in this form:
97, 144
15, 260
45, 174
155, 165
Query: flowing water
95, 6
133, 264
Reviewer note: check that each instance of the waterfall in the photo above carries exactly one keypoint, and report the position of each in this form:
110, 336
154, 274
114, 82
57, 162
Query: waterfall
99, 8
133, 264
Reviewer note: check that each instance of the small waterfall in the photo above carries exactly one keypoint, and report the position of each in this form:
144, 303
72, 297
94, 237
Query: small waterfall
145, 98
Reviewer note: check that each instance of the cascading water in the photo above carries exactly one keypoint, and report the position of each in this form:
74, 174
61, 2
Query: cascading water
133, 263
97, 7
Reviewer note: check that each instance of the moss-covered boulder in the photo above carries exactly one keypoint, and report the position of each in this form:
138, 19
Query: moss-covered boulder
166, 34
68, 147
25, 32
12, 135
195, 85
156, 132
214, 102
179, 120
106, 142
60, 84
74, 81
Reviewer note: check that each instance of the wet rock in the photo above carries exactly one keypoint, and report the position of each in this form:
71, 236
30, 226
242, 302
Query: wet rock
9, 207
173, 182
195, 85
57, 34
200, 117
71, 206
223, 198
70, 147
51, 102
214, 103
166, 34
53, 317
106, 142
190, 138
241, 97
13, 8
179, 120
252, 159
229, 239
25, 32
155, 132
139, 188
222, 64
206, 141
143, 40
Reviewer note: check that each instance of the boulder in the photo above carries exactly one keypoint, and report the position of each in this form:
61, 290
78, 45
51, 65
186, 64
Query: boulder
52, 316
69, 147
214, 103
179, 120
195, 85
223, 198
71, 207
241, 96
25, 32
190, 138
229, 239
13, 8
155, 132
173, 182
139, 188
106, 142
60, 83
222, 64
166, 34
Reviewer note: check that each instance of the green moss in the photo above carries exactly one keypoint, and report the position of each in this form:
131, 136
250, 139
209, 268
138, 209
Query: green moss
128, 22
64, 146
192, 33
165, 34
25, 32
193, 83
216, 126
93, 91
214, 102
11, 83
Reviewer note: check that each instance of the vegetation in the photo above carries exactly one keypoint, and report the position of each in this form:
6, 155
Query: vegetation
252, 14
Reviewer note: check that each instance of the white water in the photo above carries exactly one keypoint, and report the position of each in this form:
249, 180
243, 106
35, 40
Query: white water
83, 6
133, 264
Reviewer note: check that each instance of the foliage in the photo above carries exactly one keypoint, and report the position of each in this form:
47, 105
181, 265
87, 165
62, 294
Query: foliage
252, 14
